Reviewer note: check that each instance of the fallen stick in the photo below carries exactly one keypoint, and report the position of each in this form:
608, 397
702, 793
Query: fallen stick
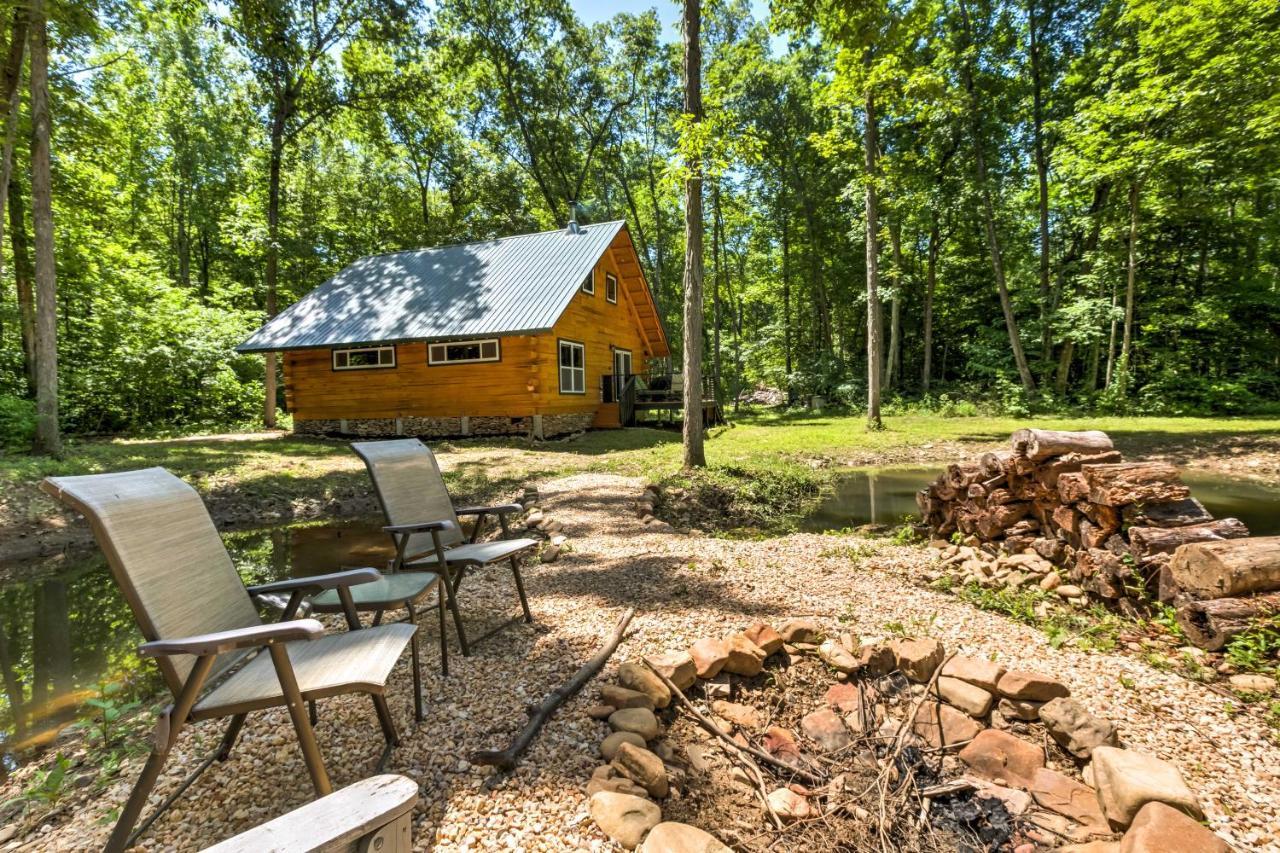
718, 732
505, 759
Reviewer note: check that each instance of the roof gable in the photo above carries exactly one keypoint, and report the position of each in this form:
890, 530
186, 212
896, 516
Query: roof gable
512, 285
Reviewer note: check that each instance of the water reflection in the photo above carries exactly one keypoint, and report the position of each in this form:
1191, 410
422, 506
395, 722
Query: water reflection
888, 495
66, 632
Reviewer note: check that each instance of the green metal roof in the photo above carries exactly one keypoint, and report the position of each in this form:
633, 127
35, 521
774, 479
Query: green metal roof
512, 285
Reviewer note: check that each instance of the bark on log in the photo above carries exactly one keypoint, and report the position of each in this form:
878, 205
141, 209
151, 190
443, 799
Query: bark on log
1211, 624
1166, 540
1067, 519
962, 475
1072, 488
1172, 514
1228, 569
1134, 482
506, 759
1105, 518
1039, 444
995, 464
1103, 572
999, 496
1049, 472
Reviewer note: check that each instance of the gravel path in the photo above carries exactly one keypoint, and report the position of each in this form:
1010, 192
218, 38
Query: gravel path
682, 588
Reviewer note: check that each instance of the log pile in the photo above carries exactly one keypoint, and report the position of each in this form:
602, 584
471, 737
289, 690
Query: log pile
1120, 531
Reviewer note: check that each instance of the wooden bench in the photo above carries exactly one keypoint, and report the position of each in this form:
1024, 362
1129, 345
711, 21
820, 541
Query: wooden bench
374, 814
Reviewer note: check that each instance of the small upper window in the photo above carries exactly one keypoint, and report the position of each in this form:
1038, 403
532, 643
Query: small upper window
364, 358
589, 284
573, 370
610, 287
461, 352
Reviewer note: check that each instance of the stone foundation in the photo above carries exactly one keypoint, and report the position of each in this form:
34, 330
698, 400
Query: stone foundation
543, 426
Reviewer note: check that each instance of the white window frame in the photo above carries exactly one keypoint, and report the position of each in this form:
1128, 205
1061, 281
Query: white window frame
347, 351
589, 284
435, 362
611, 279
579, 372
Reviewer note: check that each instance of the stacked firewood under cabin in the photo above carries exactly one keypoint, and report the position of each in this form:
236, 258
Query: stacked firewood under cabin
1120, 531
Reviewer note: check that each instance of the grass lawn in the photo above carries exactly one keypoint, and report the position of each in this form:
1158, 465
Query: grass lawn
279, 470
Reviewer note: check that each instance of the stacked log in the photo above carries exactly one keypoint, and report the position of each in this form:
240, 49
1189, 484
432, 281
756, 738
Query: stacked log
1118, 530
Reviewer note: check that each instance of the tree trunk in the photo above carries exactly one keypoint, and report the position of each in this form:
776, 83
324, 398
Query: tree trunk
1039, 444
1042, 178
1126, 347
9, 109
273, 260
871, 149
786, 294
930, 285
1111, 340
48, 436
717, 249
22, 277
694, 457
891, 365
1228, 568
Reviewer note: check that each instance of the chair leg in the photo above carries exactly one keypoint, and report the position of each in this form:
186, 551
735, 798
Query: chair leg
313, 716
229, 737
301, 724
120, 835
524, 602
451, 591
417, 668
444, 639
384, 718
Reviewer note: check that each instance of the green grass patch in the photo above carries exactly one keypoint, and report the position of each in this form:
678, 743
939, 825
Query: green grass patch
743, 500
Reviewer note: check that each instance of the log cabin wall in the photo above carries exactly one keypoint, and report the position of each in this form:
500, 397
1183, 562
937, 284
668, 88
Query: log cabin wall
502, 397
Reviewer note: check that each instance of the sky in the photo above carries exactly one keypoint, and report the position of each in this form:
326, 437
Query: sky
594, 11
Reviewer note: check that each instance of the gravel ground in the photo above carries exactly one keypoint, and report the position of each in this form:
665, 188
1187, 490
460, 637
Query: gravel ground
683, 588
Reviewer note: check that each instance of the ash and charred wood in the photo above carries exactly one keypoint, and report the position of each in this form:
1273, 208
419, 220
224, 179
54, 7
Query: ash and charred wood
1212, 624
1229, 568
506, 759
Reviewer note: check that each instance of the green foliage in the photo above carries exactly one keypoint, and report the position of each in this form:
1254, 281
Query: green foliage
17, 422
109, 711
1257, 649
733, 497
49, 784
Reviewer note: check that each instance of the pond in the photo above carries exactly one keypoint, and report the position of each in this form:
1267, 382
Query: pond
888, 495
67, 635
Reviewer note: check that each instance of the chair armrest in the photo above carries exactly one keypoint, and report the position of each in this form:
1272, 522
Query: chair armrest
349, 577
237, 638
500, 509
417, 527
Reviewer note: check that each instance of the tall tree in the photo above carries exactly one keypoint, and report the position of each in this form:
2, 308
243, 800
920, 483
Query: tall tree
48, 433
694, 455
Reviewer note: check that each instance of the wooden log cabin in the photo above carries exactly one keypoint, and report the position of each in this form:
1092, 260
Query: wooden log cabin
517, 336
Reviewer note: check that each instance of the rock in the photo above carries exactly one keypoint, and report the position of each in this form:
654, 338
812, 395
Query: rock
615, 784
789, 805
1064, 795
1015, 802
781, 744
877, 659
609, 746
764, 636
844, 696
639, 720
624, 697
1158, 828
1051, 581
740, 715
637, 676
719, 687
745, 657
917, 658
942, 725
709, 657
671, 837
1252, 683
1075, 729
1012, 709
826, 729
981, 673
970, 698
600, 712
549, 553
642, 767
1127, 780
8, 832
1030, 686
836, 656
677, 666
1092, 847
697, 756
1067, 590
624, 818
1003, 758
800, 631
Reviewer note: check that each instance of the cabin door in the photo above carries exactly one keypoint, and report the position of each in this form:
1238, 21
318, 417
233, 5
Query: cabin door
621, 370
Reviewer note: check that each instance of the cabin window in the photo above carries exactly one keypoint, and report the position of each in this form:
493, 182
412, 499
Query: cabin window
364, 358
463, 352
611, 287
573, 368
589, 284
